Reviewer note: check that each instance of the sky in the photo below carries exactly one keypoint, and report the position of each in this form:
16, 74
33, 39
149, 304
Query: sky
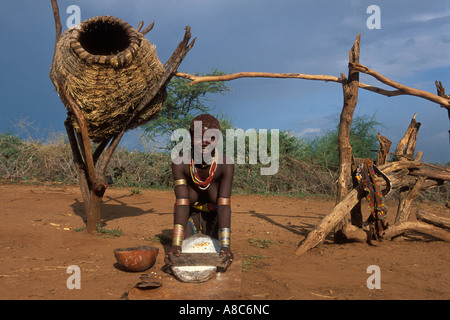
411, 46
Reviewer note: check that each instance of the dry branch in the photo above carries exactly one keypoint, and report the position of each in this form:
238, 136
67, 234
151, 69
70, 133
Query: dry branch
445, 103
441, 93
387, 93
58, 26
148, 29
408, 141
433, 219
432, 174
228, 77
140, 25
325, 226
401, 89
233, 76
383, 151
417, 226
407, 197
399, 165
441, 90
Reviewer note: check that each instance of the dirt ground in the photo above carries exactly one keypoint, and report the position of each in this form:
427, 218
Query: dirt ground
38, 242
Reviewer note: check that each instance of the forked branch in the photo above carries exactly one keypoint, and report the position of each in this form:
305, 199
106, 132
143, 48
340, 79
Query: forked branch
445, 103
148, 29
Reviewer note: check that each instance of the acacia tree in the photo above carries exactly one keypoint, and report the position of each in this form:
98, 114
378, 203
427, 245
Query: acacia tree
183, 103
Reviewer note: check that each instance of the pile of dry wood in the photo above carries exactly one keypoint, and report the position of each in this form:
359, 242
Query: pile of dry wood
408, 175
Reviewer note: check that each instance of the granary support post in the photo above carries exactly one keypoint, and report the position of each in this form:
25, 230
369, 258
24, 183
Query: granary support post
92, 182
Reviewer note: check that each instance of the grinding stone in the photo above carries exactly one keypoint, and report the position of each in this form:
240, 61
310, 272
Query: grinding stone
197, 243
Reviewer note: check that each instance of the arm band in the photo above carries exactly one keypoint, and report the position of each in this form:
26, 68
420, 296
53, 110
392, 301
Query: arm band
225, 237
182, 202
223, 201
180, 182
178, 235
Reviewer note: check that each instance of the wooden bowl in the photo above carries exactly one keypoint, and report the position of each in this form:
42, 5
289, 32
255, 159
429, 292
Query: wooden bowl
136, 259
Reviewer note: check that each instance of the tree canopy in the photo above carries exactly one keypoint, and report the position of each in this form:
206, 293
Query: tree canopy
183, 103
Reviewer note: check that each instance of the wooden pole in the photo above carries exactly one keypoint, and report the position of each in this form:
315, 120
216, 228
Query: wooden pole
327, 78
350, 90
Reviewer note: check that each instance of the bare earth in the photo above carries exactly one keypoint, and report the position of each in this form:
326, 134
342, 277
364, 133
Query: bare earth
38, 242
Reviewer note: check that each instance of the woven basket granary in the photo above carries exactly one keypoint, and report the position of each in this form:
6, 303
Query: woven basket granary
107, 67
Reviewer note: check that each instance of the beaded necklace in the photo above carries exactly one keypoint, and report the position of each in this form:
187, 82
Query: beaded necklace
203, 185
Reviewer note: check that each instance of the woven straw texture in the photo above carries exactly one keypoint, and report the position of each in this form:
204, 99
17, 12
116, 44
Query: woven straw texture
107, 67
